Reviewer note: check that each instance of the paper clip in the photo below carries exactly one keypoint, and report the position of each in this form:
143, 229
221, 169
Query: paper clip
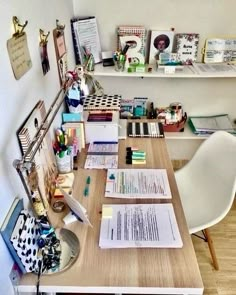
18, 28
43, 37
60, 28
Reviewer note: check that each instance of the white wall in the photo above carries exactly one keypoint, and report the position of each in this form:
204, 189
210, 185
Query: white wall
205, 17
208, 18
17, 98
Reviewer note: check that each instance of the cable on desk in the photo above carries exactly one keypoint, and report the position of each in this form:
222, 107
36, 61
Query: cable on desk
39, 275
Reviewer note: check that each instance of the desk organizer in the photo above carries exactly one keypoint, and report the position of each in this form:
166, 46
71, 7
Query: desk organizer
176, 127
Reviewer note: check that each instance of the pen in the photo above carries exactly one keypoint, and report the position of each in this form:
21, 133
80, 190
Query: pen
105, 142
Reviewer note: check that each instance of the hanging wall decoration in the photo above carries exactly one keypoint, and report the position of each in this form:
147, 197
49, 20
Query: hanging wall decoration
44, 51
18, 50
60, 49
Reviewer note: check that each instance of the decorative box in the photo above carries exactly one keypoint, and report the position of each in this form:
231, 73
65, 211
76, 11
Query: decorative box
176, 127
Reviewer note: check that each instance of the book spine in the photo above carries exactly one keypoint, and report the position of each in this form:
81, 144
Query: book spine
75, 42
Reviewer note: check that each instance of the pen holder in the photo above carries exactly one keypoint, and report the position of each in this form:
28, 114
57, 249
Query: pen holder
64, 161
119, 65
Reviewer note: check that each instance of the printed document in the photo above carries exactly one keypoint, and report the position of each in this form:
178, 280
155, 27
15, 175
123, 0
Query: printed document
139, 226
137, 183
86, 31
214, 69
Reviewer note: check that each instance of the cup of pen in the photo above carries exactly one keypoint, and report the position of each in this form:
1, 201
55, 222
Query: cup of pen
64, 160
63, 152
119, 62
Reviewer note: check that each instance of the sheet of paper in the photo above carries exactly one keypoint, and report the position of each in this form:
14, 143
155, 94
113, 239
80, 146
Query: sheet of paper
137, 183
216, 69
102, 156
139, 226
101, 161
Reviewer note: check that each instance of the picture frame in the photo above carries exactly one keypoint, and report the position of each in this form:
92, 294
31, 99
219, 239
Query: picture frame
160, 41
187, 47
61, 53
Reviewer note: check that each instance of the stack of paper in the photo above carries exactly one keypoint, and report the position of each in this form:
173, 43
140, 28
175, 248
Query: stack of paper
139, 226
210, 124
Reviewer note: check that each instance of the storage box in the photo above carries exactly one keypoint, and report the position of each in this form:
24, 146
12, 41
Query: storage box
101, 131
176, 127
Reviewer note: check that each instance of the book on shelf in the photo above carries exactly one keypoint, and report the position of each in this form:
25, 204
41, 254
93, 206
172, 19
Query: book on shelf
187, 47
218, 50
137, 183
139, 226
7, 229
76, 46
135, 37
210, 124
161, 41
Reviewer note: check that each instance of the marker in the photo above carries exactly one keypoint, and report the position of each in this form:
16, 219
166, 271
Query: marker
136, 153
131, 148
86, 189
105, 142
131, 161
124, 51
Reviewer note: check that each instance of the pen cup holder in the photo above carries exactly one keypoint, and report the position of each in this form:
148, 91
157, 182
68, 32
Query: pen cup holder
119, 65
64, 161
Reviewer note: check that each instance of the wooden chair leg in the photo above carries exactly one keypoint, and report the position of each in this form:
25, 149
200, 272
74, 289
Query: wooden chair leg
211, 248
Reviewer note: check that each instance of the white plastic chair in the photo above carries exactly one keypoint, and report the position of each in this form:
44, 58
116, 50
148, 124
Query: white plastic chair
207, 185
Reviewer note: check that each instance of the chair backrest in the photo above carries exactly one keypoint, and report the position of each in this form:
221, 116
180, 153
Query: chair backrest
210, 176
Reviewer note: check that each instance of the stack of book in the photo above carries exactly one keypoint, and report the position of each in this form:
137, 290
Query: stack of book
203, 125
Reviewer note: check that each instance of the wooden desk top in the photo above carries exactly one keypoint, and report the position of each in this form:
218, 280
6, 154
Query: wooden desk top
149, 271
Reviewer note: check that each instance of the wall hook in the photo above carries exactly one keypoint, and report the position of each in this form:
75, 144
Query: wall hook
60, 27
18, 28
43, 37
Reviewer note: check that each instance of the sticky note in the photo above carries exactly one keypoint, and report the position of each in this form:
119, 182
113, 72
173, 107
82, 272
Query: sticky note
107, 212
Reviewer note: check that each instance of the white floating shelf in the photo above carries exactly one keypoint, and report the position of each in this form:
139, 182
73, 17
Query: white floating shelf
186, 72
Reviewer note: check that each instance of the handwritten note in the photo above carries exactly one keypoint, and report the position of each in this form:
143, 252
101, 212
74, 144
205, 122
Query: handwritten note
19, 55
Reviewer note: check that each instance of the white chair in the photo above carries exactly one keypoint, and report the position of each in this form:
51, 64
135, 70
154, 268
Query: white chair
207, 185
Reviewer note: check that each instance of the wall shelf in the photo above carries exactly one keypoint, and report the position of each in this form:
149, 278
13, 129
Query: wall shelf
187, 72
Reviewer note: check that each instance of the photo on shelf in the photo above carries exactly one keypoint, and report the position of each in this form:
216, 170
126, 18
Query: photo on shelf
161, 41
187, 47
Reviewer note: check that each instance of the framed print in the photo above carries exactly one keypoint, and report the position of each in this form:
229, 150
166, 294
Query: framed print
161, 41
61, 56
187, 47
